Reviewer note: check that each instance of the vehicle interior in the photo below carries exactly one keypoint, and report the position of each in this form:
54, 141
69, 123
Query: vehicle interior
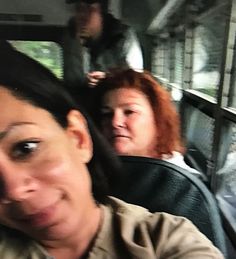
189, 46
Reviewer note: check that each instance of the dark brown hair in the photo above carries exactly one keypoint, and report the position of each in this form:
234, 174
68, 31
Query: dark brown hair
31, 82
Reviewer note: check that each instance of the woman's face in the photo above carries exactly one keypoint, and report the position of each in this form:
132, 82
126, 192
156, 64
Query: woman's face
128, 122
44, 182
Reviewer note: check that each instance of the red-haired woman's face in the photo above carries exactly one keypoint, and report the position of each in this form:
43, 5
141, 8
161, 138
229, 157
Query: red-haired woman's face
128, 122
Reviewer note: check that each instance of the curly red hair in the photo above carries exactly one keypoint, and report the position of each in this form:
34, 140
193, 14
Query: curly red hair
166, 117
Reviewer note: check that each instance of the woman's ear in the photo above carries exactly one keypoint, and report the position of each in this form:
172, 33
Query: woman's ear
78, 131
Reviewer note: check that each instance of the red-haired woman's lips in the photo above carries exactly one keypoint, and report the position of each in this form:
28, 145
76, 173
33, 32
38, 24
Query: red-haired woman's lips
44, 217
119, 136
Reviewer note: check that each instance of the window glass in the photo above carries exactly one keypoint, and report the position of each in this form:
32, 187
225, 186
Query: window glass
154, 66
198, 134
47, 53
202, 132
232, 148
208, 52
179, 62
158, 60
166, 51
232, 94
226, 180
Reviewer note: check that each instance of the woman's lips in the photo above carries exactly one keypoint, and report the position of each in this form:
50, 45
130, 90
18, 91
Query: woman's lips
42, 218
119, 136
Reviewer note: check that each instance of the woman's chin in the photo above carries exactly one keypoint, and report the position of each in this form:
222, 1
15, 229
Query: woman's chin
123, 151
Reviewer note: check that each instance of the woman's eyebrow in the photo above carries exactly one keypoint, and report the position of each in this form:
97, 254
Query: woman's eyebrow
12, 127
131, 103
105, 107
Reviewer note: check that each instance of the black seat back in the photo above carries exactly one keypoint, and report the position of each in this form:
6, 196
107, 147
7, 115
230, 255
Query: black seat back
162, 186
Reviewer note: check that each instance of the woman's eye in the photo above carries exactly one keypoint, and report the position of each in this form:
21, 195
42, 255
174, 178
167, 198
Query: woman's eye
106, 114
24, 149
129, 112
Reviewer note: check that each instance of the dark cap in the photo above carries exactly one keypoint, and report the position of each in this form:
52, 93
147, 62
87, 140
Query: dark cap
103, 3
87, 1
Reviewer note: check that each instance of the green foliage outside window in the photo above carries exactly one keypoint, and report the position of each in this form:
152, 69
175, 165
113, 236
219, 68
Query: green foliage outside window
47, 53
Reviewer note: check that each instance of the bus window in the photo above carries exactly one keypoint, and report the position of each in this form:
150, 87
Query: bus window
45, 52
232, 94
199, 134
178, 62
159, 60
226, 176
208, 52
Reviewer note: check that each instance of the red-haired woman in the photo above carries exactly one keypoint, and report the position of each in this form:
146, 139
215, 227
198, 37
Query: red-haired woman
138, 118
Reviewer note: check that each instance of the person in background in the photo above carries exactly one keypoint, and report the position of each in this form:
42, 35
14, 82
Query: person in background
95, 42
138, 118
52, 200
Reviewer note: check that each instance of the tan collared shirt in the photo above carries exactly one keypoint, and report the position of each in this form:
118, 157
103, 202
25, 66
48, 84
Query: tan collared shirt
130, 231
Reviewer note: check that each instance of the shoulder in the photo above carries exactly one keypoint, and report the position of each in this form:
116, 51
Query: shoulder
14, 245
115, 30
178, 159
137, 216
113, 24
159, 234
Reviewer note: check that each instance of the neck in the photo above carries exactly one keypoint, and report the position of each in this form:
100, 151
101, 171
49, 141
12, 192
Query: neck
80, 242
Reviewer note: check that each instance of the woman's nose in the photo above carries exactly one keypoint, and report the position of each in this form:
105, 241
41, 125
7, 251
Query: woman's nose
15, 186
118, 119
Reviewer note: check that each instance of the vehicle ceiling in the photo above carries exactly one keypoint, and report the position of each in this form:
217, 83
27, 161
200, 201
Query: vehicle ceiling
139, 13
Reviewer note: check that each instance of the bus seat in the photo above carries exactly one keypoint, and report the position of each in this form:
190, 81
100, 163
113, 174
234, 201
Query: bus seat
161, 186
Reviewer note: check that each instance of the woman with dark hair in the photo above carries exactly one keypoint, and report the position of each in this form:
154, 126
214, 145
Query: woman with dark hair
41, 88
51, 163
138, 118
